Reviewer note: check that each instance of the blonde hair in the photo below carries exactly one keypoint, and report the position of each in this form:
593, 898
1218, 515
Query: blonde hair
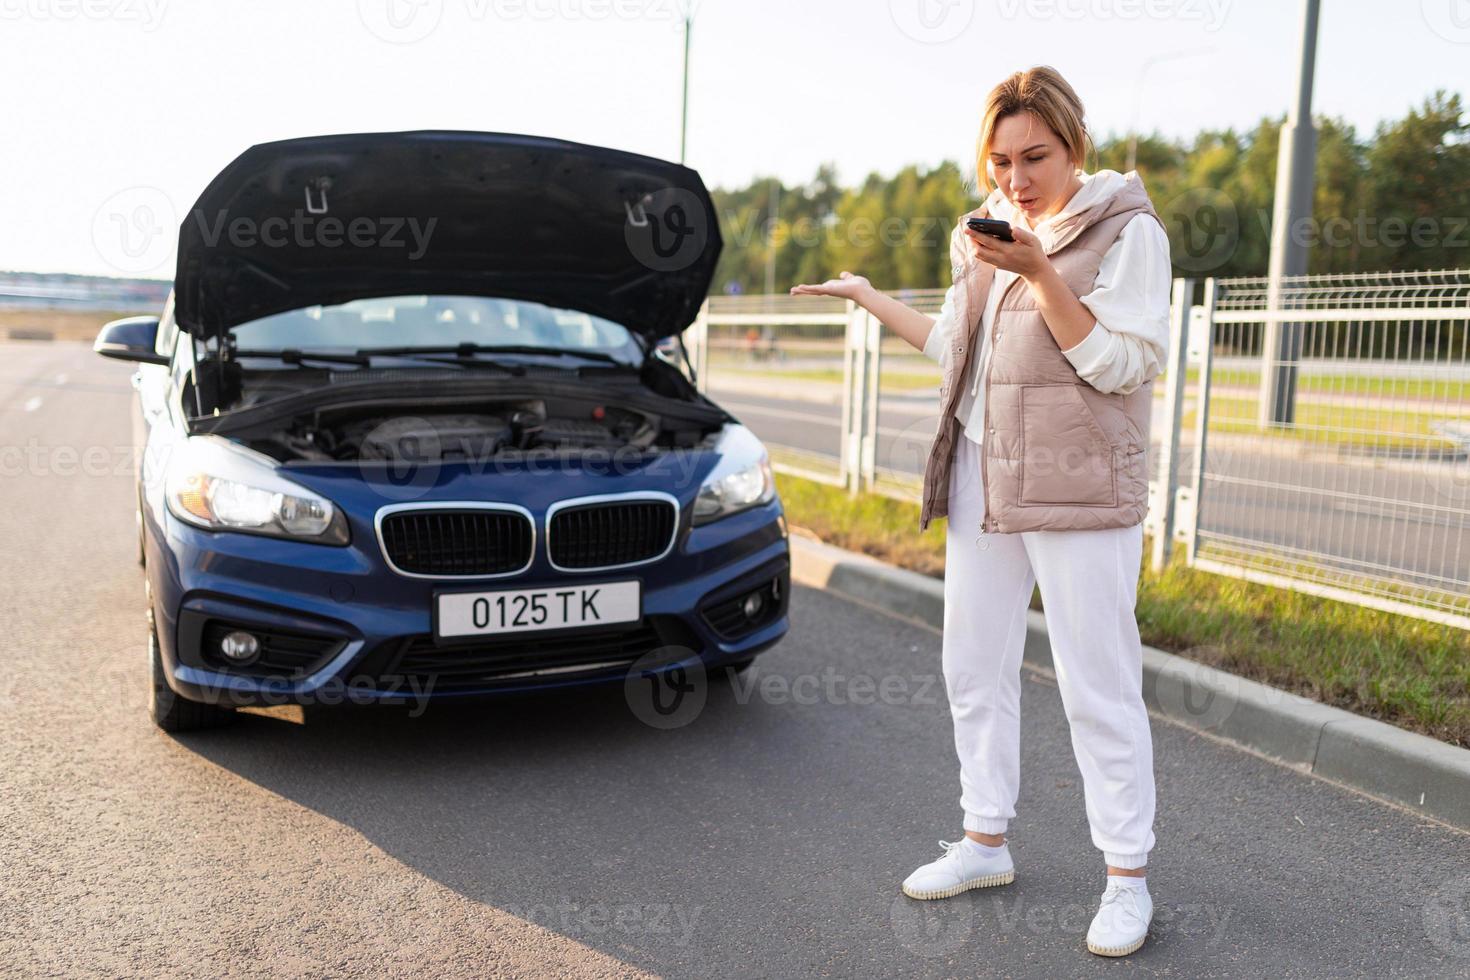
1045, 93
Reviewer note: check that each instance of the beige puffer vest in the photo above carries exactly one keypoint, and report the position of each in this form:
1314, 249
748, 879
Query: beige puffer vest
1058, 453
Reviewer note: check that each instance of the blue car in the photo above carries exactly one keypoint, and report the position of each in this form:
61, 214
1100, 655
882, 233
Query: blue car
411, 430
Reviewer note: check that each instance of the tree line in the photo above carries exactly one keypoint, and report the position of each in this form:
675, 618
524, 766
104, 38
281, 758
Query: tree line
1396, 200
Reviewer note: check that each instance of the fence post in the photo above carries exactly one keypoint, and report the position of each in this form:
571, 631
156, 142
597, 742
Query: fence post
1190, 499
872, 343
1163, 523
696, 341
854, 357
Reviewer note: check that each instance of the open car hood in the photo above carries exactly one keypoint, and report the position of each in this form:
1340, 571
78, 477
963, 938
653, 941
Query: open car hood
328, 219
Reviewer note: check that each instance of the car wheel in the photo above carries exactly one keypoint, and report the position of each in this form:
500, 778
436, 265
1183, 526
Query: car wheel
171, 712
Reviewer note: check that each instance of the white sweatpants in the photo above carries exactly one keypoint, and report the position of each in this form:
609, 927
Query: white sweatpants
1089, 585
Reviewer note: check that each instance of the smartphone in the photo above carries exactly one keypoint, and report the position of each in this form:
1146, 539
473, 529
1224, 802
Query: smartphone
993, 228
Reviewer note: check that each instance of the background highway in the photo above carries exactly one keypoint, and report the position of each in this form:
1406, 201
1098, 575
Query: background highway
559, 834
1375, 513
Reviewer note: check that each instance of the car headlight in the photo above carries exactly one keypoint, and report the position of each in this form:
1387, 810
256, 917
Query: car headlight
220, 486
741, 480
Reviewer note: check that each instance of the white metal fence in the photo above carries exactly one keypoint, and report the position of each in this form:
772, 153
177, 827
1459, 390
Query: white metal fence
1318, 440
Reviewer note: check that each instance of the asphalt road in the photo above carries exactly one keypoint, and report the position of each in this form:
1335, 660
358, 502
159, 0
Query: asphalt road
562, 835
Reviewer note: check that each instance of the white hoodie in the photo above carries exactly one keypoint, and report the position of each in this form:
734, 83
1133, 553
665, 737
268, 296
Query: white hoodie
1130, 299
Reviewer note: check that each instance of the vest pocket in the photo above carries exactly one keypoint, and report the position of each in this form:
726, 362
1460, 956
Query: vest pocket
1066, 457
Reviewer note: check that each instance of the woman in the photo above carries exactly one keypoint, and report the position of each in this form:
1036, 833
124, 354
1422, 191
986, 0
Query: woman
1039, 466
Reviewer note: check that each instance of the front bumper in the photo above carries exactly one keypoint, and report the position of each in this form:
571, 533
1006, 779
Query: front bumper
337, 624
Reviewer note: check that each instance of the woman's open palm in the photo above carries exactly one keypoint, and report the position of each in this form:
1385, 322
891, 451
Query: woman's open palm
846, 285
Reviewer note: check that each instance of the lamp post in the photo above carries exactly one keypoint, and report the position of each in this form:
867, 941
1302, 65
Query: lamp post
1296, 160
684, 109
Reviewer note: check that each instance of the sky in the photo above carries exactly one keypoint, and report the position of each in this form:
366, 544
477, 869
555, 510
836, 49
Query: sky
118, 112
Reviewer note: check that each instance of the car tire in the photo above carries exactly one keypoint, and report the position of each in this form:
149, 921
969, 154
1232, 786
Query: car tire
171, 712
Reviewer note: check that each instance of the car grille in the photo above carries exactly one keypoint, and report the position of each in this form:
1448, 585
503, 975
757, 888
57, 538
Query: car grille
457, 542
418, 663
617, 532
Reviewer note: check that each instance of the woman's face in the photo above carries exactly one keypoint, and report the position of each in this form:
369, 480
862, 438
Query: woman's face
1029, 163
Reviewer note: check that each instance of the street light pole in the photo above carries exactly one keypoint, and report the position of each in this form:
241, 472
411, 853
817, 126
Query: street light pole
1295, 181
684, 111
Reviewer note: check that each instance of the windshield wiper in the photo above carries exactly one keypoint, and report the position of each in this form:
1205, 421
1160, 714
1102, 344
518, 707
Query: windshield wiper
469, 350
291, 355
364, 358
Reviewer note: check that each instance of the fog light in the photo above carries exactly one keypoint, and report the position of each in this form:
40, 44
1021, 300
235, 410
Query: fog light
753, 605
239, 646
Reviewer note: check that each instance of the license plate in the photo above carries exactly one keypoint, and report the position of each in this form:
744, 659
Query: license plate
527, 610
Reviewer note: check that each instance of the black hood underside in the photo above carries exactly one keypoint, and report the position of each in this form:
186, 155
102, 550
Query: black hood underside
329, 219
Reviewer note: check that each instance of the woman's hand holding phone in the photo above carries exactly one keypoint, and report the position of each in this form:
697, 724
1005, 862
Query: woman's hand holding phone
1023, 255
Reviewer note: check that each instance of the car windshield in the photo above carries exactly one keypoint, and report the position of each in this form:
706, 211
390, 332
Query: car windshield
435, 321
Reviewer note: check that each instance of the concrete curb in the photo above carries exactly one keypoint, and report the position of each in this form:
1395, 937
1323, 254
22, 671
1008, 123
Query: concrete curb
1421, 773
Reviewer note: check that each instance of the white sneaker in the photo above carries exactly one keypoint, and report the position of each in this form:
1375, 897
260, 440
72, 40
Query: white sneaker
959, 870
1121, 923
